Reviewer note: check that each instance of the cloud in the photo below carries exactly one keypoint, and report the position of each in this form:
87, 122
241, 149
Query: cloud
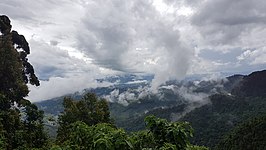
255, 57
134, 37
166, 38
46, 19
60, 73
58, 86
51, 61
54, 43
226, 23
128, 96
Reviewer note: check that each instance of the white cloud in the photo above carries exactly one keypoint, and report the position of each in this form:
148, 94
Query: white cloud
255, 57
61, 73
134, 36
52, 61
58, 86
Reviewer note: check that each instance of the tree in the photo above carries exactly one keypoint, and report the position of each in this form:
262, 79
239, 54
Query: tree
143, 139
101, 136
160, 135
15, 70
169, 134
90, 110
21, 121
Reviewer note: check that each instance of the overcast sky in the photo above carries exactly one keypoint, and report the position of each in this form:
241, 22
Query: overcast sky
73, 42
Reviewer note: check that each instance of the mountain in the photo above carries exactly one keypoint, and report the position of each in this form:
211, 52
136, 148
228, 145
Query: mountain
131, 94
249, 135
252, 85
213, 121
213, 107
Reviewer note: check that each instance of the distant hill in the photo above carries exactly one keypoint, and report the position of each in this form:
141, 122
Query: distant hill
229, 102
133, 90
247, 100
211, 122
252, 85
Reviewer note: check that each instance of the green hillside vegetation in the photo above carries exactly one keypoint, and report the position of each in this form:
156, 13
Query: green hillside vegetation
83, 128
250, 135
211, 122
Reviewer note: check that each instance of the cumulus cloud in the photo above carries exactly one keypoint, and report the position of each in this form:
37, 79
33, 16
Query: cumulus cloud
52, 61
135, 37
255, 57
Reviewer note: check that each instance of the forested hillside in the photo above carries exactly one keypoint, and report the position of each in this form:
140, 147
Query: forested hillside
211, 122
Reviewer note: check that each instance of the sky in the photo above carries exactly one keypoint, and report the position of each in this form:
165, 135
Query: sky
74, 42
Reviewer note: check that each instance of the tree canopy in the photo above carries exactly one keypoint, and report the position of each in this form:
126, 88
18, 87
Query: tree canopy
160, 135
21, 125
15, 70
90, 110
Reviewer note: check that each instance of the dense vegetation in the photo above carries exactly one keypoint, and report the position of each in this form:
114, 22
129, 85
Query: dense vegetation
89, 110
250, 135
86, 124
211, 122
21, 124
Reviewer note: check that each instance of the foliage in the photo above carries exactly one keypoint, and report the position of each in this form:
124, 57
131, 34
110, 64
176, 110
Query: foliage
168, 146
3, 143
134, 121
89, 110
195, 147
248, 136
20, 121
101, 136
15, 70
22, 127
143, 139
104, 136
175, 133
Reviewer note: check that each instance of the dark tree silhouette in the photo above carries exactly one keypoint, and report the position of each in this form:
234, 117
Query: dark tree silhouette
15, 70
21, 125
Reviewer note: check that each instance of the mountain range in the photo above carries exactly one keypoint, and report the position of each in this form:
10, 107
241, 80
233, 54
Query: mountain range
213, 107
